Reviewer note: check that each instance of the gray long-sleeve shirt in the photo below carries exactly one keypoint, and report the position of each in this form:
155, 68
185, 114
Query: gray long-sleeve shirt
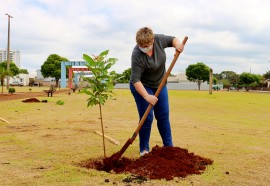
150, 70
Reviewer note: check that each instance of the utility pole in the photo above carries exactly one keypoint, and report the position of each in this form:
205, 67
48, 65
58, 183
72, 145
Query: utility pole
8, 49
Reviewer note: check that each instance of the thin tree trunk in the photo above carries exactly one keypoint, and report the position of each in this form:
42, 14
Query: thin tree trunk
56, 83
199, 84
2, 84
210, 81
102, 128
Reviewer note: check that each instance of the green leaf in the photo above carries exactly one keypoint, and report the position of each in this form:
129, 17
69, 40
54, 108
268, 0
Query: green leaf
109, 65
104, 53
89, 60
112, 60
99, 86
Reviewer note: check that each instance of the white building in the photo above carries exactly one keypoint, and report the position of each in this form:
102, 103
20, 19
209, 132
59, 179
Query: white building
14, 56
179, 78
21, 78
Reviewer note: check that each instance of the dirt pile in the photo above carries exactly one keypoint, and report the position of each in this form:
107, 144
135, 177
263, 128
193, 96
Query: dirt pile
160, 163
34, 100
31, 100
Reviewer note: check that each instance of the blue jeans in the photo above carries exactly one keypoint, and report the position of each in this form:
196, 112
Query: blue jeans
161, 113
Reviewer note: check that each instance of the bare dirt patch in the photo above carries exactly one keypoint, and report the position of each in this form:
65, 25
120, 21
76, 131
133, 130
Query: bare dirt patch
23, 95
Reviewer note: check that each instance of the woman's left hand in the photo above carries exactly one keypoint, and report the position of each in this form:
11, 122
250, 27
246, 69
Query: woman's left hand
179, 48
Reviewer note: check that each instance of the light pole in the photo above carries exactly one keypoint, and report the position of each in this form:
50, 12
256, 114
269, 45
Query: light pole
8, 49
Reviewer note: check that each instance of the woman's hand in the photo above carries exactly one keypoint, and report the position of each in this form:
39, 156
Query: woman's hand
180, 48
142, 91
178, 45
151, 99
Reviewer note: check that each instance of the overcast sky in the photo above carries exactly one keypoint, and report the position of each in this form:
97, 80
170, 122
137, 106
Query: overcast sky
226, 35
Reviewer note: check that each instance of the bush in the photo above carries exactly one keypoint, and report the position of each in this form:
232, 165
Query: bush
60, 102
11, 90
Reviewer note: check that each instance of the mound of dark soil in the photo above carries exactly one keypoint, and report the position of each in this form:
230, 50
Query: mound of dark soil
160, 163
31, 100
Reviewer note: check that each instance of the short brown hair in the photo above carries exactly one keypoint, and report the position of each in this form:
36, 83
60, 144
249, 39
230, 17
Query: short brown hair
144, 36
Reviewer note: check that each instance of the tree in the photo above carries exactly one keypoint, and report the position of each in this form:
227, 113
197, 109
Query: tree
231, 76
267, 75
247, 80
101, 84
52, 67
198, 73
13, 70
23, 71
215, 80
124, 77
226, 83
260, 80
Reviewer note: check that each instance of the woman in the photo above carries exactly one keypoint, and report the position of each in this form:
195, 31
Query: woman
147, 71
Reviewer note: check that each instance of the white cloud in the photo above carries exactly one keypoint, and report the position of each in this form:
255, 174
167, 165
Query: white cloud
224, 34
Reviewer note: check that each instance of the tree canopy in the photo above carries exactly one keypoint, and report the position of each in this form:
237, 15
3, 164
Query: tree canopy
267, 75
124, 77
228, 79
247, 79
23, 71
52, 67
198, 73
14, 70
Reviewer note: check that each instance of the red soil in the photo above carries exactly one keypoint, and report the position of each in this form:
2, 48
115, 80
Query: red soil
160, 163
24, 95
31, 100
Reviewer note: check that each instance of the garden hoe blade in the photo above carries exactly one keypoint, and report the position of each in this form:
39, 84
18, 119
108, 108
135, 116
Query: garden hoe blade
111, 161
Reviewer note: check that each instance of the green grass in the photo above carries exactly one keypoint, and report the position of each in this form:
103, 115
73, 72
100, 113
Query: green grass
44, 142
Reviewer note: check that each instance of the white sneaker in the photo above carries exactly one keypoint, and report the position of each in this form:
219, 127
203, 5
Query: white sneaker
143, 153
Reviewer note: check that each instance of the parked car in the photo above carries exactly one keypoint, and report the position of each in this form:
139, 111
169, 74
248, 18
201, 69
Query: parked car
31, 84
35, 84
216, 87
16, 84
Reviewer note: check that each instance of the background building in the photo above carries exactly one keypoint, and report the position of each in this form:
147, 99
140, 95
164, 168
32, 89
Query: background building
14, 56
39, 77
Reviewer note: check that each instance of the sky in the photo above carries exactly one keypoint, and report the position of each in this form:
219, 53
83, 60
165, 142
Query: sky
226, 35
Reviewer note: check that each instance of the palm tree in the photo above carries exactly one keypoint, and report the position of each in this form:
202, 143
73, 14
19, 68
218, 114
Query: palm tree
3, 74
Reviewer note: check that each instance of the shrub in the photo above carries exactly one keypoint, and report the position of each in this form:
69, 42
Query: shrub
60, 102
11, 90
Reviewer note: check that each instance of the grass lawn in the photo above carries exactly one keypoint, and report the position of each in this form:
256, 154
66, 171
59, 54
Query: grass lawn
44, 142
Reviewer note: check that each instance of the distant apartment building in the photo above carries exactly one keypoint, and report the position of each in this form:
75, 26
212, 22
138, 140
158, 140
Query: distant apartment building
14, 56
